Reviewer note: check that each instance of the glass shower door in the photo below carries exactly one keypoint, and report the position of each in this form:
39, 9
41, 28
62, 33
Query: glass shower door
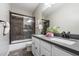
28, 27
22, 28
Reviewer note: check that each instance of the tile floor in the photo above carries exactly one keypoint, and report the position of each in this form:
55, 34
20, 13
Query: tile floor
21, 49
21, 52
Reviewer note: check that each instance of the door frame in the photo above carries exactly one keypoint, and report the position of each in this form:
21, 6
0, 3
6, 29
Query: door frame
10, 13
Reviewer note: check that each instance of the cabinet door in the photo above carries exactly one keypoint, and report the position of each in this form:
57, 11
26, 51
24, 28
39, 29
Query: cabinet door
37, 49
35, 46
44, 52
46, 45
56, 51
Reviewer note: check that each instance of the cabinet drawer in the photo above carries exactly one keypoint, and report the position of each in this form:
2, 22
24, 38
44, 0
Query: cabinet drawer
56, 51
46, 45
44, 52
33, 49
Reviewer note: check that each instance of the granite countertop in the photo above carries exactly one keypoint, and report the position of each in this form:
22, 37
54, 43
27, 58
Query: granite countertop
74, 46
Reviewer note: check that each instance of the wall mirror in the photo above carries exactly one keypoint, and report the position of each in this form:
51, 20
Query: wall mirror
63, 15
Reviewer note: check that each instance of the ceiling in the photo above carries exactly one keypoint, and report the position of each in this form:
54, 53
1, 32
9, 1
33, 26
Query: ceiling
50, 10
26, 6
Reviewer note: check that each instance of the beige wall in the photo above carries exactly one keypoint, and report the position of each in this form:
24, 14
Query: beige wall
38, 16
66, 17
4, 40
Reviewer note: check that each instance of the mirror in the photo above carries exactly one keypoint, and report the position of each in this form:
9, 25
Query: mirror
63, 15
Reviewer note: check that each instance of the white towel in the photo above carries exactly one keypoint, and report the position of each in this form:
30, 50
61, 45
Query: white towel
7, 28
1, 29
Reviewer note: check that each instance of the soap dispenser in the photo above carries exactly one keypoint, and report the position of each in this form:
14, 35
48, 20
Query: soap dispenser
68, 35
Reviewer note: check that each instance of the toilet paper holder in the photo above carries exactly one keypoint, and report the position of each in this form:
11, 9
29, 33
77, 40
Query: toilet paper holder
5, 27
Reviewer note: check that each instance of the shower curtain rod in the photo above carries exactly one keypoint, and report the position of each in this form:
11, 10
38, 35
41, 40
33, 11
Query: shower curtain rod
18, 15
21, 14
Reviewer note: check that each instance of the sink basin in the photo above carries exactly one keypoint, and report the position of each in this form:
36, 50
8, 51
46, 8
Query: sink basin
61, 40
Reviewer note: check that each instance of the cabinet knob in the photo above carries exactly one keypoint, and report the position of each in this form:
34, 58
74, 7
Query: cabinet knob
35, 47
33, 43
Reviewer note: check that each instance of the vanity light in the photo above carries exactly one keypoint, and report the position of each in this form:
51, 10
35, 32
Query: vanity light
47, 5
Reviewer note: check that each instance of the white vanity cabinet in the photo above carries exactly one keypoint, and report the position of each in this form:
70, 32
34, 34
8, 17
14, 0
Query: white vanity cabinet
44, 48
40, 47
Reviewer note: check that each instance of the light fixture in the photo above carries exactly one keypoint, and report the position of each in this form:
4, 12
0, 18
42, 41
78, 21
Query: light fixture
47, 4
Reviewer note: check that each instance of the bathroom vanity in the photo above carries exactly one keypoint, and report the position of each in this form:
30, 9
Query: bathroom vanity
54, 46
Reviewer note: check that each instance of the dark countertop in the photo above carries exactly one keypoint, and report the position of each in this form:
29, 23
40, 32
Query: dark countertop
74, 48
